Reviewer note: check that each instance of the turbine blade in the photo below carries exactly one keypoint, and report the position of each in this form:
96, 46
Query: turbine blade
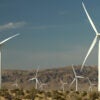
89, 51
37, 71
74, 71
72, 82
65, 83
40, 82
37, 81
2, 42
32, 79
61, 81
79, 77
93, 84
90, 20
89, 80
90, 88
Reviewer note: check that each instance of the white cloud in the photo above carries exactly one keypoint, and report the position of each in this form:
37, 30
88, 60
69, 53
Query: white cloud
12, 25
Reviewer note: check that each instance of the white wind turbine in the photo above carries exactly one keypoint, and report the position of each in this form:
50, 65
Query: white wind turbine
42, 85
35, 78
91, 85
16, 84
75, 78
92, 45
1, 44
63, 85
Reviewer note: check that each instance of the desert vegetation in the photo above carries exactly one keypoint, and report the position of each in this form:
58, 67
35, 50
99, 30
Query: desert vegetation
33, 94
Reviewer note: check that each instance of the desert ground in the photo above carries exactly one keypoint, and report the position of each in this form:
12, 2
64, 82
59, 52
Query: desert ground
26, 89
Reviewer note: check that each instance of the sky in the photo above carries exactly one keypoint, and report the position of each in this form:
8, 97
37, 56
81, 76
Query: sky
53, 33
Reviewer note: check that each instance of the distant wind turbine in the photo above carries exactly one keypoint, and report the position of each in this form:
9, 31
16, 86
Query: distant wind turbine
16, 84
35, 78
92, 45
63, 85
1, 44
42, 85
91, 85
75, 78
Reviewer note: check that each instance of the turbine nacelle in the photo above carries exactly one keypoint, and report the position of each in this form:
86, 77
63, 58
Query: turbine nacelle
98, 35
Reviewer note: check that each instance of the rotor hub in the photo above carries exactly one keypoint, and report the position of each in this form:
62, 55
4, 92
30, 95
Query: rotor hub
98, 35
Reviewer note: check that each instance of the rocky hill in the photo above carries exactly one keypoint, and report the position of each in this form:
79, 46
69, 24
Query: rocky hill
50, 76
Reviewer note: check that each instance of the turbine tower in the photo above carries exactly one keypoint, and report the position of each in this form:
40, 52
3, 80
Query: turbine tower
1, 44
35, 78
63, 85
75, 78
91, 85
93, 44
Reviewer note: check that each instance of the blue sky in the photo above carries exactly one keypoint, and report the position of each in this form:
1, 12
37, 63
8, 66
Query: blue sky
53, 33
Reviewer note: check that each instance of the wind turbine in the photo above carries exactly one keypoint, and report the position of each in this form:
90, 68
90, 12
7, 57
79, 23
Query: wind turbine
1, 44
93, 44
35, 78
75, 78
63, 85
42, 85
91, 85
16, 84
